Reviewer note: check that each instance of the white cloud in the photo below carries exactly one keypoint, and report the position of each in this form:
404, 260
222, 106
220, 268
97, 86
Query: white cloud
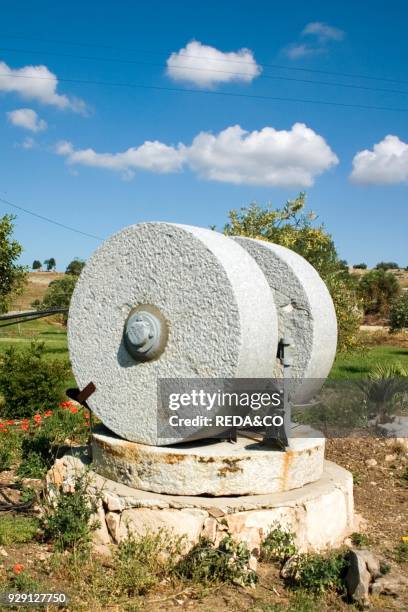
206, 66
386, 164
152, 156
266, 157
322, 31
26, 118
37, 83
319, 36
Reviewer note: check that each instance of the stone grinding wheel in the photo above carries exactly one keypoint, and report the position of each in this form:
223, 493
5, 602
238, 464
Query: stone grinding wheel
203, 291
306, 314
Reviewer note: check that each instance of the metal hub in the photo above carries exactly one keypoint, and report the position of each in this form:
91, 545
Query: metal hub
145, 333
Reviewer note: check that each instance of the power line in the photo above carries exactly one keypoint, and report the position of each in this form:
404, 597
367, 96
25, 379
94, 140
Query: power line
206, 92
167, 53
67, 227
201, 69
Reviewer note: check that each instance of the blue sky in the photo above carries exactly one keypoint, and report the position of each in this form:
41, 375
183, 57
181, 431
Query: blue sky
196, 179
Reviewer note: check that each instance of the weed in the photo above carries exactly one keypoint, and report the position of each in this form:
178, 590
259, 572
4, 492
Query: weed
404, 476
207, 564
317, 573
278, 545
17, 529
10, 448
401, 552
67, 519
36, 455
360, 539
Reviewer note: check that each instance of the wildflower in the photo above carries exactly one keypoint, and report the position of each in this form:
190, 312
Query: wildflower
2, 425
25, 427
18, 568
37, 418
73, 409
404, 538
10, 422
4, 429
48, 413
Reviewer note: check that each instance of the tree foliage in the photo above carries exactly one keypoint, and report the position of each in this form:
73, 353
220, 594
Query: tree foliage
289, 226
75, 267
378, 289
387, 265
12, 276
399, 313
37, 265
58, 294
50, 263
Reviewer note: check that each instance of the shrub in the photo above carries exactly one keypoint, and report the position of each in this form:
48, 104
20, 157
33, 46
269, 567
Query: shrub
278, 545
399, 313
361, 266
36, 456
318, 573
140, 562
401, 552
206, 564
378, 289
17, 529
67, 518
28, 382
387, 265
359, 539
10, 447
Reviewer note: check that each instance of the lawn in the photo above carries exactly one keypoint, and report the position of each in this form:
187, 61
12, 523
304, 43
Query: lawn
348, 365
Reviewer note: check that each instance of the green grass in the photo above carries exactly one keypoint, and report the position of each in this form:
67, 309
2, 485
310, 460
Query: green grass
17, 529
359, 364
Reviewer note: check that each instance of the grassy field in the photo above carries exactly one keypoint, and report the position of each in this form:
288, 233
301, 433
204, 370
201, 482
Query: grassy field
350, 365
37, 284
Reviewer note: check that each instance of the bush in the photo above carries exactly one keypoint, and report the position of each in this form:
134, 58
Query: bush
378, 289
140, 562
206, 564
36, 456
401, 552
67, 518
318, 573
399, 313
17, 529
278, 545
361, 266
58, 295
28, 382
10, 448
387, 265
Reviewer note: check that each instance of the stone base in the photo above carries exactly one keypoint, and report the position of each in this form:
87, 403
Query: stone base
214, 468
320, 514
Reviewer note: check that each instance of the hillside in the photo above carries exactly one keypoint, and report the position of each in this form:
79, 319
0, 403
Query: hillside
34, 290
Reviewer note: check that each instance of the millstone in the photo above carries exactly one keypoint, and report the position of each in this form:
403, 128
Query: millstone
160, 300
306, 315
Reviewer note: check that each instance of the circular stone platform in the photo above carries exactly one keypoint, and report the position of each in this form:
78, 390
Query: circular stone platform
215, 468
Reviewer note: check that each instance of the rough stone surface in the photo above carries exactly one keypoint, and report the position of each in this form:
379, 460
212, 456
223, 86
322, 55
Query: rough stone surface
211, 467
305, 313
397, 429
358, 578
219, 309
249, 518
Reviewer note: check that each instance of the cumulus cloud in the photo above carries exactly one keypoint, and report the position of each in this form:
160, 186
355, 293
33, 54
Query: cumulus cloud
322, 31
27, 118
206, 66
319, 35
266, 157
386, 164
37, 83
152, 156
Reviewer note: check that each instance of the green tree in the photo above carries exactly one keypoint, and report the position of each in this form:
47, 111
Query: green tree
399, 313
12, 276
58, 294
360, 266
387, 265
378, 289
37, 265
50, 264
75, 267
289, 226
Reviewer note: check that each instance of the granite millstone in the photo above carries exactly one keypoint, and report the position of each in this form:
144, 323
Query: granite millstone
219, 311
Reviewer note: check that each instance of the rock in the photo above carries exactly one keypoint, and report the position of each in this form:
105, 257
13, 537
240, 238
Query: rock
389, 458
289, 568
391, 584
370, 463
209, 529
101, 534
113, 522
358, 578
103, 550
112, 502
3, 552
372, 563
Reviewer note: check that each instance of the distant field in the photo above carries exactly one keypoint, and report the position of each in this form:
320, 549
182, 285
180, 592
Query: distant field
402, 275
35, 289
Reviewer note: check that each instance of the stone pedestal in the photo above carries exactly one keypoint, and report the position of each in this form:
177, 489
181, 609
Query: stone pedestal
215, 468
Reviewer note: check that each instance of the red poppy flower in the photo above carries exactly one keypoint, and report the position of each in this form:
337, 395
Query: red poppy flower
10, 422
74, 410
48, 413
24, 427
37, 417
18, 568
